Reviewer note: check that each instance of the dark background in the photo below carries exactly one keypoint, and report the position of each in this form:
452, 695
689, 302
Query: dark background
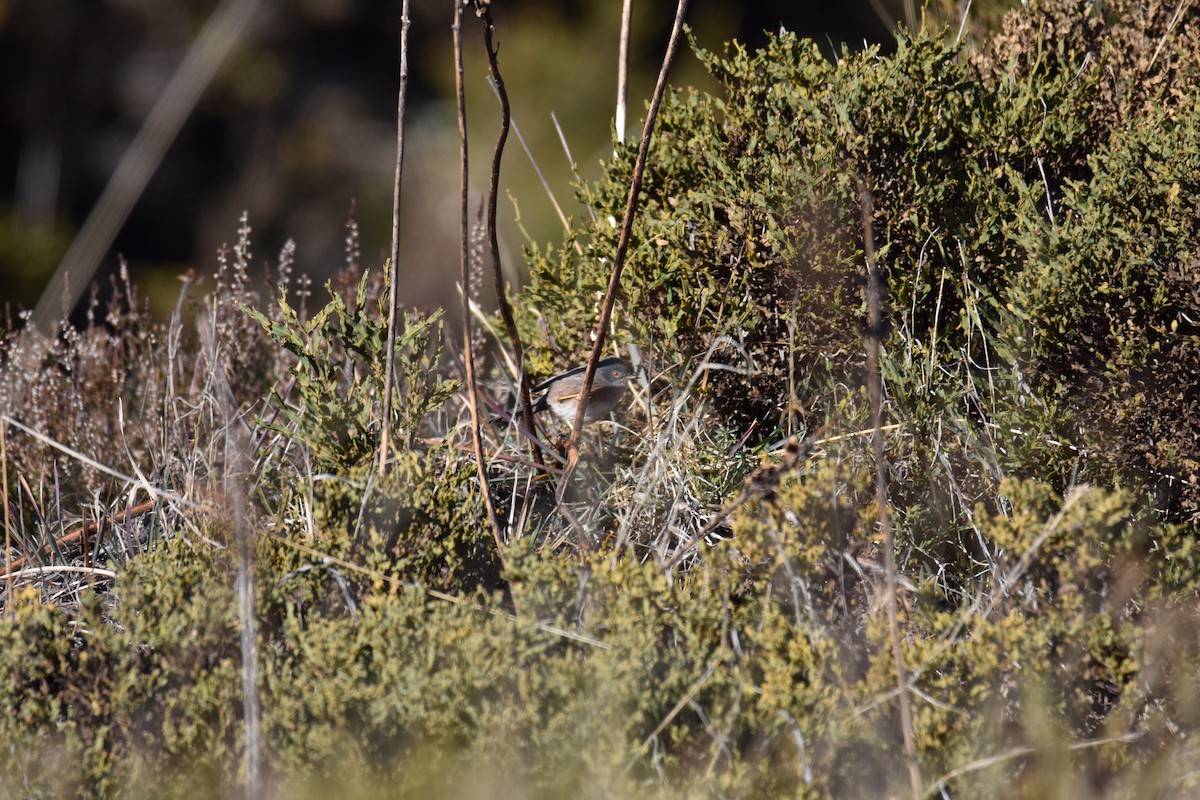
299, 123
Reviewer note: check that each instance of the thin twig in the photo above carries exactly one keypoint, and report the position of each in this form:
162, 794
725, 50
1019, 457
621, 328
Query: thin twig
7, 527
79, 533
875, 392
562, 137
468, 350
962, 25
93, 463
841, 437
99, 572
236, 469
623, 69
483, 8
1019, 752
537, 168
674, 712
1049, 198
389, 374
887, 19
1180, 9
614, 280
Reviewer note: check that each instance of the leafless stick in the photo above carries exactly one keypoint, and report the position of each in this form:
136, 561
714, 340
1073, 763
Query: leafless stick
562, 138
614, 280
484, 9
153, 491
1021, 751
7, 528
236, 469
696, 686
76, 534
875, 393
1180, 8
623, 69
60, 569
248, 621
468, 351
887, 19
962, 25
389, 375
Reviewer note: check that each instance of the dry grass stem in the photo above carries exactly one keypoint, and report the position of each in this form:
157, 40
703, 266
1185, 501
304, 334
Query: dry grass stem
875, 298
31, 572
469, 309
80, 533
237, 507
623, 69
7, 524
393, 267
538, 171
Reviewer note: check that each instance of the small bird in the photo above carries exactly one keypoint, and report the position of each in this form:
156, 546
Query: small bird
562, 392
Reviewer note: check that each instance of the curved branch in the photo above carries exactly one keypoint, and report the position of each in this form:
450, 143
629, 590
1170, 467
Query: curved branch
468, 352
484, 9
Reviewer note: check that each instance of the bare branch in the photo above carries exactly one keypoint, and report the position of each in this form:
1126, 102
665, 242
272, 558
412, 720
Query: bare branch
484, 9
8, 569
623, 69
614, 280
389, 375
464, 256
237, 467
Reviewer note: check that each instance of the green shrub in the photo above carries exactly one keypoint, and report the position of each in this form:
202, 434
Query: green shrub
1036, 219
339, 375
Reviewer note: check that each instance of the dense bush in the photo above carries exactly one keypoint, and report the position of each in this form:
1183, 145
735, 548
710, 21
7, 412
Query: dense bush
1036, 209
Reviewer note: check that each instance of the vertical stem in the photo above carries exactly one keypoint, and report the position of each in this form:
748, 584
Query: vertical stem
631, 205
464, 258
875, 393
484, 9
251, 704
7, 529
389, 377
962, 25
623, 69
235, 493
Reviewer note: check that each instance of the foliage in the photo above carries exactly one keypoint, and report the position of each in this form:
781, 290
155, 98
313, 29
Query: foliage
340, 376
719, 628
1003, 203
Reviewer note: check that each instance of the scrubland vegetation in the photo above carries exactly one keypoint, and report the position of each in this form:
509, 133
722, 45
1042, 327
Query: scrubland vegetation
702, 611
